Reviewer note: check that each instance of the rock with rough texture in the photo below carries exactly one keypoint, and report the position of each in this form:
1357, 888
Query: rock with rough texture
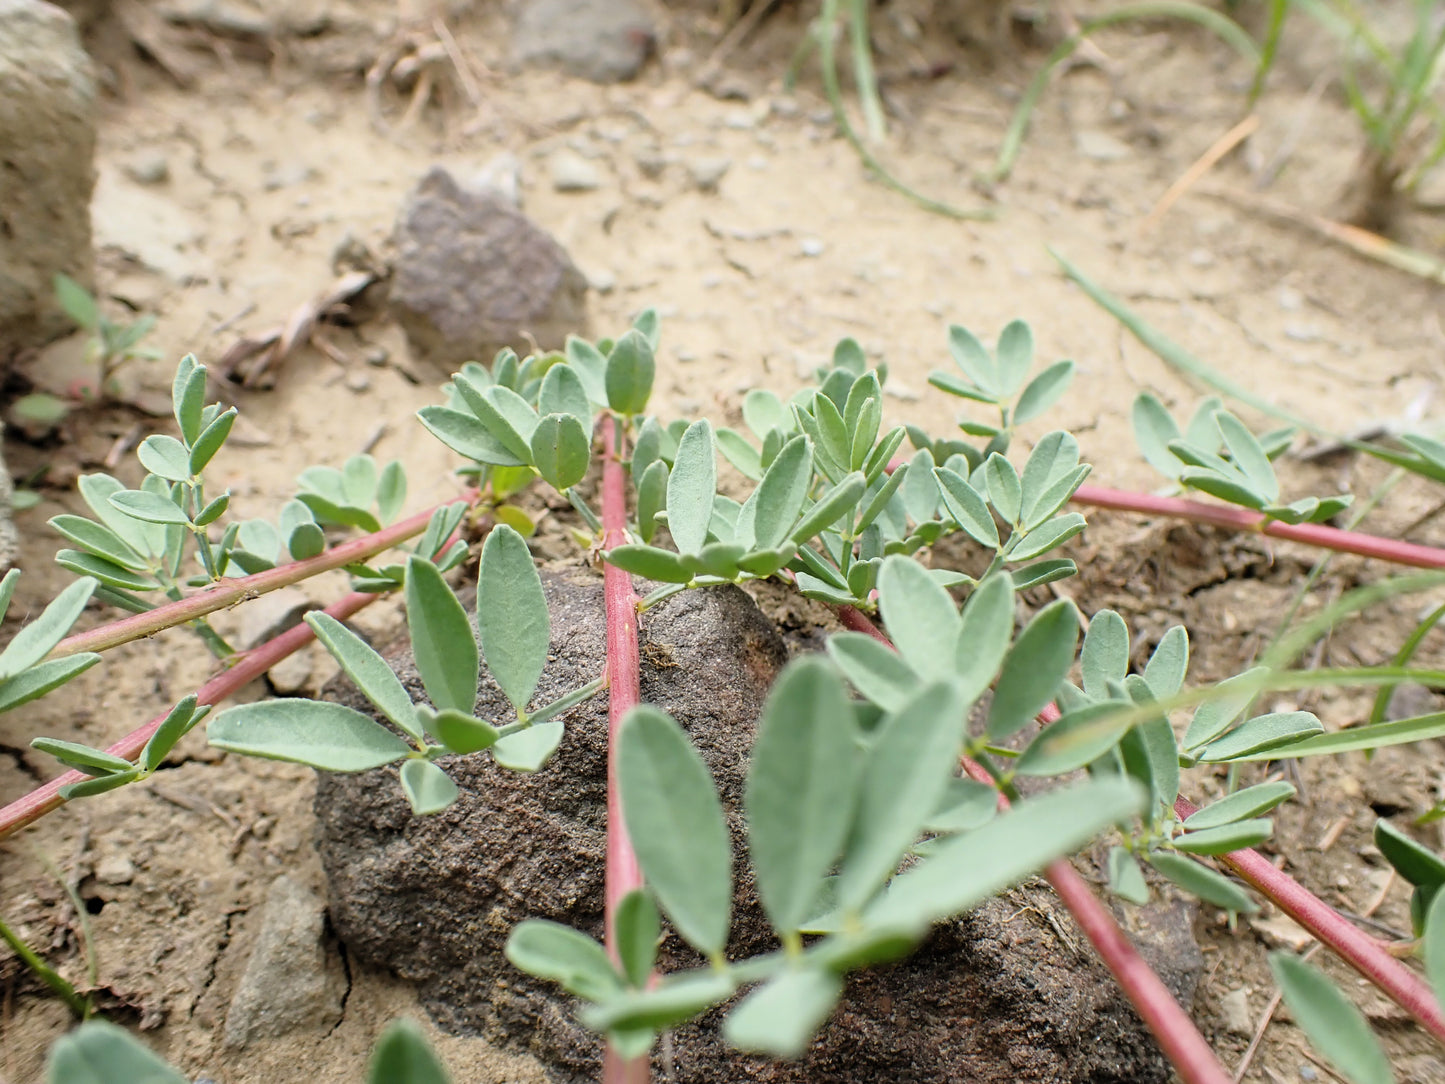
1010, 992
47, 141
287, 984
606, 41
474, 275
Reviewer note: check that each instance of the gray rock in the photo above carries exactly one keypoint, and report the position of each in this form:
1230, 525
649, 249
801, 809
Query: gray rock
1007, 993
606, 41
288, 983
573, 173
473, 275
47, 132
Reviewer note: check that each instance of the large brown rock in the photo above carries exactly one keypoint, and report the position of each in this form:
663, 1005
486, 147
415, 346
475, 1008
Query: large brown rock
1010, 992
47, 171
474, 274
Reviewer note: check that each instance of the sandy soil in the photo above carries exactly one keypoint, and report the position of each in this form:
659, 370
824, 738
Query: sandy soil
275, 159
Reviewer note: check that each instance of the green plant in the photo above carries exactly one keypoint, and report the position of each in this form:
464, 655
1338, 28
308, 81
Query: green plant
868, 749
112, 344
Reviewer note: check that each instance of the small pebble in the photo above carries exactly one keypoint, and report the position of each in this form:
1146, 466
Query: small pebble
501, 176
651, 162
1100, 146
811, 246
148, 167
358, 382
739, 120
707, 173
1302, 332
1307, 1072
686, 405
115, 870
573, 173
684, 355
377, 355
1290, 300
602, 280
1235, 1007
1201, 257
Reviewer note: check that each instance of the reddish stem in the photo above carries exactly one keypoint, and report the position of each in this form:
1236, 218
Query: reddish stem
252, 665
230, 592
1180, 1040
1361, 951
1313, 534
624, 693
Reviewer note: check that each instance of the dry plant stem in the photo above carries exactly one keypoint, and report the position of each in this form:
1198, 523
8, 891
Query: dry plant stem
1312, 534
252, 665
1361, 951
231, 592
624, 693
1180, 1040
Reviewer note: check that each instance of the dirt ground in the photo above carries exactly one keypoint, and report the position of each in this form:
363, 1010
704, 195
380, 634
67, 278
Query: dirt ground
277, 154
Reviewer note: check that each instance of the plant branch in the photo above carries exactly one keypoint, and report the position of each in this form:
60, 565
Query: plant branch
231, 592
1180, 1040
252, 665
624, 681
1361, 951
1313, 534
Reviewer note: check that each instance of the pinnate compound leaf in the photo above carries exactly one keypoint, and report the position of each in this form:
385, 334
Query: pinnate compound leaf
675, 1000
427, 787
33, 642
1264, 732
402, 1056
650, 562
1223, 487
1015, 356
210, 440
904, 779
1043, 391
176, 725
1005, 491
966, 507
1250, 802
35, 681
1248, 456
801, 789
639, 928
921, 617
1201, 881
875, 669
561, 451
1034, 668
781, 493
99, 784
145, 538
528, 750
984, 636
150, 507
1164, 673
1078, 738
830, 506
1226, 838
166, 456
779, 1018
691, 487
367, 669
677, 828
324, 735
467, 436
458, 731
565, 956
1413, 861
1105, 656
83, 758
973, 358
99, 1052
441, 635
1213, 717
967, 869
1333, 1025
1155, 429
630, 370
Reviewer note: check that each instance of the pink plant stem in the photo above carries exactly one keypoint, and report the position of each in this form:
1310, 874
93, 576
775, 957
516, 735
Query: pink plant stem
1357, 948
624, 693
1180, 1040
230, 592
1313, 534
252, 665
